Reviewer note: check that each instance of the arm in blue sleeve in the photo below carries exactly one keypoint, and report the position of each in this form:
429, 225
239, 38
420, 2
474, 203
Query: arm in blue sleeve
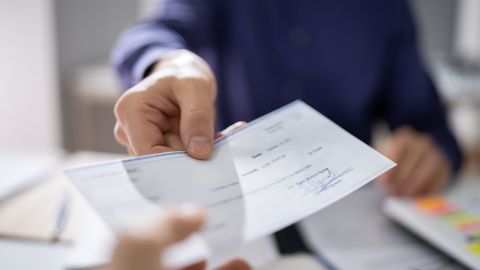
176, 24
411, 97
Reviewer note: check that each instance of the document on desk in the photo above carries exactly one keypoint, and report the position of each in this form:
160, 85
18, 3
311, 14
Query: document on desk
271, 173
365, 239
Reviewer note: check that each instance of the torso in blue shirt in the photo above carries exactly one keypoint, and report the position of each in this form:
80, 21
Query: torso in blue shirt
331, 54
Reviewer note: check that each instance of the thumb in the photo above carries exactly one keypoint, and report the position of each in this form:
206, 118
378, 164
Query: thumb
388, 149
197, 122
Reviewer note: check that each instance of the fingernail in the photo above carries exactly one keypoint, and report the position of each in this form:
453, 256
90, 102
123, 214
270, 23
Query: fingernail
200, 145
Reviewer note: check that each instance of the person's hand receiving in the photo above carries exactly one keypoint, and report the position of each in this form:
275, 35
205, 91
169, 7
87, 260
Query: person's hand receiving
421, 167
141, 247
172, 109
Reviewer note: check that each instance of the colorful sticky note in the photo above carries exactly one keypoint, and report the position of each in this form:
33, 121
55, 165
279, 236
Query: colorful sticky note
474, 248
459, 221
437, 206
469, 227
466, 223
442, 210
426, 204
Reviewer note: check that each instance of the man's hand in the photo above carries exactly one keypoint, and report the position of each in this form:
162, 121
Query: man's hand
172, 109
141, 248
422, 168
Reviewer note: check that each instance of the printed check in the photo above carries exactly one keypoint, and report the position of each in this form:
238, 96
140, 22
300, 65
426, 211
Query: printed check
265, 176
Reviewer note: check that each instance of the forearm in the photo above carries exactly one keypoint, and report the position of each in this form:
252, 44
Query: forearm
179, 24
139, 48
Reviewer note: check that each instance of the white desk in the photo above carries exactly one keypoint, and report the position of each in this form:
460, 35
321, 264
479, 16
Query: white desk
23, 255
27, 255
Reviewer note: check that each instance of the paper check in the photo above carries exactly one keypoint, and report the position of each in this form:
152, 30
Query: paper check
265, 176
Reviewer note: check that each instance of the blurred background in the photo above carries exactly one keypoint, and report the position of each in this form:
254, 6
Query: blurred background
57, 89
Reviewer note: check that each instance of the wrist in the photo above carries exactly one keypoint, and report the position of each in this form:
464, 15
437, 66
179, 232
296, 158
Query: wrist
181, 60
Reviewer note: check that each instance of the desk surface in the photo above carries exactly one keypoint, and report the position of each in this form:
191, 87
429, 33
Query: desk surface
30, 249
19, 254
24, 254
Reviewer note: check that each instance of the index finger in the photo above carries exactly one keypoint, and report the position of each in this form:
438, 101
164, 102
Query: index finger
144, 136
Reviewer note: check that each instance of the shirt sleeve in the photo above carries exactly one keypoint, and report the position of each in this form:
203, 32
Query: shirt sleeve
411, 98
175, 24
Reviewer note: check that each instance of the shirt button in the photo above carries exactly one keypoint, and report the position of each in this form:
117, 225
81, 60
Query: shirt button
291, 90
299, 37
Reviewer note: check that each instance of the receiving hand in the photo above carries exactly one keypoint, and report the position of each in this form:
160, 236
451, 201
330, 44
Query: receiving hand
422, 167
172, 109
141, 248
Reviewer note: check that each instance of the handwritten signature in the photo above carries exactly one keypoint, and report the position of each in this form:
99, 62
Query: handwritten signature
319, 181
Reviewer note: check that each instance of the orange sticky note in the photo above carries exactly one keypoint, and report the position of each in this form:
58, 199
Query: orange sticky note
427, 204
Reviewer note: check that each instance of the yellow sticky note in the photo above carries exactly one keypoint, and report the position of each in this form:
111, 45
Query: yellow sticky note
475, 248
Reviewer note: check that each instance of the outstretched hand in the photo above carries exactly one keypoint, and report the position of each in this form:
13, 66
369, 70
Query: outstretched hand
172, 109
